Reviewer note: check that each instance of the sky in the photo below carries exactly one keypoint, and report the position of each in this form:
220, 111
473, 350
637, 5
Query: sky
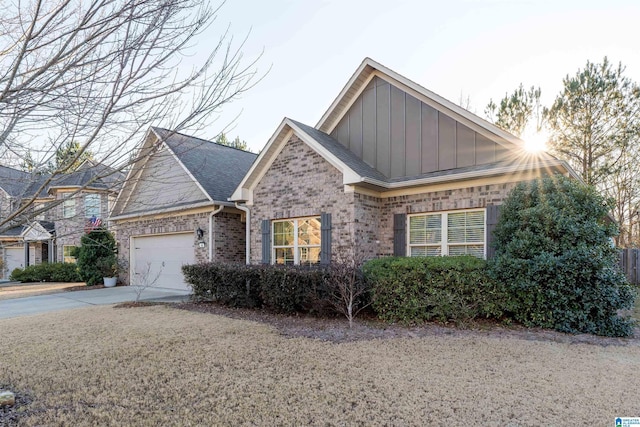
459, 49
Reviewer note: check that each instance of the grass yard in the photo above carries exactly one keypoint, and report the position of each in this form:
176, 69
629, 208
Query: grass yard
163, 366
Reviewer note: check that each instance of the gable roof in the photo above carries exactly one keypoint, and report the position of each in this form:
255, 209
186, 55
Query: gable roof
14, 181
216, 169
357, 172
369, 69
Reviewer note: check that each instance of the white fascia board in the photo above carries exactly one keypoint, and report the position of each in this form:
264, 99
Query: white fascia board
348, 174
504, 170
262, 163
128, 182
420, 93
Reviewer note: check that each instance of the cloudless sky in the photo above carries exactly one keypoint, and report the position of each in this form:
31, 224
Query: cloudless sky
479, 49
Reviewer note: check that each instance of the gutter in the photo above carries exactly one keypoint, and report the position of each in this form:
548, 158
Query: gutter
214, 213
247, 236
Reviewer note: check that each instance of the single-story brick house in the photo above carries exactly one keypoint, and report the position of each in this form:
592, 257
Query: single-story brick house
391, 168
173, 208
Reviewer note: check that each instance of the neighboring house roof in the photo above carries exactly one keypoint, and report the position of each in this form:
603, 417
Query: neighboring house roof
509, 155
36, 231
14, 181
91, 175
214, 169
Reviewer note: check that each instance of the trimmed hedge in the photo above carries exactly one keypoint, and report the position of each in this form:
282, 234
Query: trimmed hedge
235, 285
47, 272
415, 290
282, 289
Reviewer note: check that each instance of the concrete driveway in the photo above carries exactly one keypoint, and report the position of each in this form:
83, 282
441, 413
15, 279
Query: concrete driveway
77, 299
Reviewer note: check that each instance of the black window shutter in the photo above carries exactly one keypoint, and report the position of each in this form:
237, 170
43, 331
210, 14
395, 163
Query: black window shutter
325, 238
266, 241
400, 234
493, 212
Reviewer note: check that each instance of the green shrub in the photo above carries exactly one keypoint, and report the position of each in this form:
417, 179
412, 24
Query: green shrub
97, 250
236, 285
413, 290
555, 257
283, 289
291, 289
47, 272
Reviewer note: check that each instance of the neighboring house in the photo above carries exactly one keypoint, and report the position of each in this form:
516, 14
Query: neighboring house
59, 211
390, 169
173, 208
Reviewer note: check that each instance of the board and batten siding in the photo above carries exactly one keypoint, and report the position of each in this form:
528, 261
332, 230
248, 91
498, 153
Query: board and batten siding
400, 136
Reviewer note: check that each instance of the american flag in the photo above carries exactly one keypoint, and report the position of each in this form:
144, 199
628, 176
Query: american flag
93, 223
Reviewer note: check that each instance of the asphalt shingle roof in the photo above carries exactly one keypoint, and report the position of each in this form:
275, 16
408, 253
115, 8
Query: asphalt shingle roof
341, 152
14, 181
218, 168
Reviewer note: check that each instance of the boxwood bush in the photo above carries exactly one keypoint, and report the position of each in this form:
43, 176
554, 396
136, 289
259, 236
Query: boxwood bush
414, 290
554, 254
282, 289
47, 272
236, 285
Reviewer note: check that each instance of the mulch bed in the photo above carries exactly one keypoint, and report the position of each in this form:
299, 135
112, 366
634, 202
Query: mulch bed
9, 415
337, 329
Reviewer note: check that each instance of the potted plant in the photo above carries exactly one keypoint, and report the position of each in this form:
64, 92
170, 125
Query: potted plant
108, 269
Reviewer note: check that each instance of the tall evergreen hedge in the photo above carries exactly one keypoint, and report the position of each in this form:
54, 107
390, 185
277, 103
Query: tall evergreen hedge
555, 256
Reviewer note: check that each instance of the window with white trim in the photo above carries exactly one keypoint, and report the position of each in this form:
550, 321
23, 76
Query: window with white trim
67, 256
447, 233
68, 206
92, 205
296, 241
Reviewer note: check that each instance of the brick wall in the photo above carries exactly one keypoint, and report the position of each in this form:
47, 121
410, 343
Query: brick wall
301, 183
69, 231
229, 234
462, 198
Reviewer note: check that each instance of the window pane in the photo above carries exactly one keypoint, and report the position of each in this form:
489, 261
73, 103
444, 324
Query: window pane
425, 229
465, 227
309, 255
284, 256
475, 250
283, 233
309, 231
92, 205
426, 250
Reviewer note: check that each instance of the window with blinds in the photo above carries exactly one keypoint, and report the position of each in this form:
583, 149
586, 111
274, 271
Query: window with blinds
447, 233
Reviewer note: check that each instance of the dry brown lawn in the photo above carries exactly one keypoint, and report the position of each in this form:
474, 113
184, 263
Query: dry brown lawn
33, 289
162, 366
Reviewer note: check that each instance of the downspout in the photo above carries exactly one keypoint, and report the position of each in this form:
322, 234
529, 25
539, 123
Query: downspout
214, 213
247, 236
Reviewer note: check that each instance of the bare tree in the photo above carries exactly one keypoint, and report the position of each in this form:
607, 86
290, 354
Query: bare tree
346, 286
143, 280
100, 72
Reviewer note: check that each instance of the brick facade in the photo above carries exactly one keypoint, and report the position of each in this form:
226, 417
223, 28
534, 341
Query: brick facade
301, 183
228, 235
69, 231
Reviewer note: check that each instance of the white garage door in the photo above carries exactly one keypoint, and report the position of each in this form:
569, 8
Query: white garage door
14, 258
161, 258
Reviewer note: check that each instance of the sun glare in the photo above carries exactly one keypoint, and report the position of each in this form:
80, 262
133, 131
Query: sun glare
535, 142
